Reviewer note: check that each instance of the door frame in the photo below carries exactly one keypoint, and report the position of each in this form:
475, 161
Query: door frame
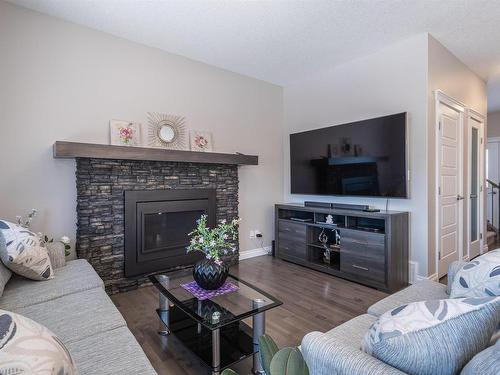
471, 116
441, 98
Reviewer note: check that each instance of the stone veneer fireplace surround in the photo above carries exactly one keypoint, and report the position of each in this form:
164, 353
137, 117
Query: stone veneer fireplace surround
101, 185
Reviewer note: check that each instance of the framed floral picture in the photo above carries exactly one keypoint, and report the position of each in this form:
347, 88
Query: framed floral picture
125, 133
201, 140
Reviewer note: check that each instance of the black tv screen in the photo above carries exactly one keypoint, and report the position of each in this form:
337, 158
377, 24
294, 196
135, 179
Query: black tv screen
362, 158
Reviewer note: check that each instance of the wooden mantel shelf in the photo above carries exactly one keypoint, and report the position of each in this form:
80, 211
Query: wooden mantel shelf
68, 150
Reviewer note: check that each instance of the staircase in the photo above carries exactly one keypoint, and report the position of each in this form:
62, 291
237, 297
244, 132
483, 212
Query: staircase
493, 224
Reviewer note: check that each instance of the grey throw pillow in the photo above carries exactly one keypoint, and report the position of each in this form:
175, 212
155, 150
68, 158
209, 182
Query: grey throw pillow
433, 337
24, 253
485, 363
5, 273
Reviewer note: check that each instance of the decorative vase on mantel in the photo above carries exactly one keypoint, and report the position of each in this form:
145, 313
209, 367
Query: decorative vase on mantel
211, 272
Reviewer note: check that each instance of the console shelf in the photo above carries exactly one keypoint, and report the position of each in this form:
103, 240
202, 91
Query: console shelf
373, 245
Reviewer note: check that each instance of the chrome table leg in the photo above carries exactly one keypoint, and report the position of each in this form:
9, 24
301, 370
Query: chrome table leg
199, 313
164, 309
216, 351
259, 327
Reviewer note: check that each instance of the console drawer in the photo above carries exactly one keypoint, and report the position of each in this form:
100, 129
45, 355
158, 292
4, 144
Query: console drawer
288, 231
361, 237
294, 249
290, 227
369, 250
368, 267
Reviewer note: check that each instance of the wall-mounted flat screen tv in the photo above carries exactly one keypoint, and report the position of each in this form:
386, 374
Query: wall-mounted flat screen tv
362, 158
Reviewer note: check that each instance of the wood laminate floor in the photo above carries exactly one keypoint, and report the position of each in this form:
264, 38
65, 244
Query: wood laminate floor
312, 301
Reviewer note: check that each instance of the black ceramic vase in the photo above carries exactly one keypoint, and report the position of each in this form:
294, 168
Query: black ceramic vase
210, 275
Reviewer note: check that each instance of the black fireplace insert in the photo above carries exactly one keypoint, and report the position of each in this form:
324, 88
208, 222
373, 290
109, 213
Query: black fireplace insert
157, 224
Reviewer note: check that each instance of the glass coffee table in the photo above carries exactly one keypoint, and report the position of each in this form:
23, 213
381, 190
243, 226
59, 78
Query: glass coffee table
213, 329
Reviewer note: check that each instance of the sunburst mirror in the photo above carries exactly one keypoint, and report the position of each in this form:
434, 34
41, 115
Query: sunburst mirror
167, 131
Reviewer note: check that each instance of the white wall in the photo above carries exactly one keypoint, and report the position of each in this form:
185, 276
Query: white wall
60, 81
494, 124
390, 81
448, 74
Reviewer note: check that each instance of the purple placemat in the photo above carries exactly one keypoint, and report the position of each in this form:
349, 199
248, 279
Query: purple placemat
203, 294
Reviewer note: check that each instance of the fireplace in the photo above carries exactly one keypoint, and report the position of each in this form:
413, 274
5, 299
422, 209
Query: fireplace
157, 224
101, 188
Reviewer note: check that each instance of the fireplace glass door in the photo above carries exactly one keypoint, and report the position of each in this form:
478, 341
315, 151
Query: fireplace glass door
164, 227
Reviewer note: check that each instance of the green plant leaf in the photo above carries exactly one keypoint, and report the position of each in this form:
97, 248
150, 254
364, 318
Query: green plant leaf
268, 349
228, 371
288, 361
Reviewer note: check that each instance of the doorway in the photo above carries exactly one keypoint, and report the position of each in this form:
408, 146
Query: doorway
450, 186
475, 183
493, 187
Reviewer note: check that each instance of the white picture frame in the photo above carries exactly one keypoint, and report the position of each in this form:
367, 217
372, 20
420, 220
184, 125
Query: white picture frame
201, 140
125, 133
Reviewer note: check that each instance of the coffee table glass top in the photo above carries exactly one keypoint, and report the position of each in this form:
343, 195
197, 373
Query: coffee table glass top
220, 310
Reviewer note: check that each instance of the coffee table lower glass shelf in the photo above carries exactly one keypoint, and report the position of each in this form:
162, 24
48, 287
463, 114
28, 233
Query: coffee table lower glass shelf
236, 340
213, 329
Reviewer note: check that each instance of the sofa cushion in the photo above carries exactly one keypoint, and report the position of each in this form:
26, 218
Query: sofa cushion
486, 362
76, 276
114, 352
420, 291
337, 351
76, 316
24, 253
30, 348
478, 278
433, 337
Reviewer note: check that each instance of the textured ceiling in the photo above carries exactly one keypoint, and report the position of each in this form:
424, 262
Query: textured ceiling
280, 41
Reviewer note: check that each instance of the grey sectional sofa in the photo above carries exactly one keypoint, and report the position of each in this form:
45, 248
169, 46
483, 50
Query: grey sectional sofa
337, 352
76, 308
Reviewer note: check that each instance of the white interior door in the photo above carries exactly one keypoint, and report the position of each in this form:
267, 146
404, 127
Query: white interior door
450, 184
475, 182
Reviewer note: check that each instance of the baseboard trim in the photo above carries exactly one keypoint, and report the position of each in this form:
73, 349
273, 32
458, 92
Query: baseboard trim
485, 248
413, 268
433, 277
255, 252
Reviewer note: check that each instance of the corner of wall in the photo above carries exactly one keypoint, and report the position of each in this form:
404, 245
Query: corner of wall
447, 73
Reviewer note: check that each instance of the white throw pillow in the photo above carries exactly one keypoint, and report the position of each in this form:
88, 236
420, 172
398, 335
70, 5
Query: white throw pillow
27, 347
24, 253
478, 278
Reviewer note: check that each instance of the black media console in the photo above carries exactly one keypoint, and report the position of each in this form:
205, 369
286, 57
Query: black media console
367, 247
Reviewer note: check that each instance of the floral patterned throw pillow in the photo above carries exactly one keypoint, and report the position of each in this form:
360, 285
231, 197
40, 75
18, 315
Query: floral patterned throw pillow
24, 253
27, 347
479, 277
433, 337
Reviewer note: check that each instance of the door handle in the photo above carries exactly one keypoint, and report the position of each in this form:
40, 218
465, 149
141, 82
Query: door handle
459, 197
473, 196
